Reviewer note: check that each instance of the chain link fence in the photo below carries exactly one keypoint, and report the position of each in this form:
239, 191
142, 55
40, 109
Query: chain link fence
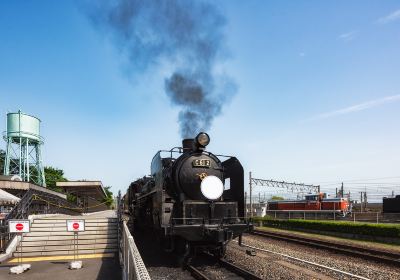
368, 217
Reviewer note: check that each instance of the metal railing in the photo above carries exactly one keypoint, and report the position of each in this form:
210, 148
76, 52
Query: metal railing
131, 262
30, 205
133, 267
204, 221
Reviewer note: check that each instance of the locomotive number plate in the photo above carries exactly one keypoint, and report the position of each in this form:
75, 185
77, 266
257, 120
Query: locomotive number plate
201, 163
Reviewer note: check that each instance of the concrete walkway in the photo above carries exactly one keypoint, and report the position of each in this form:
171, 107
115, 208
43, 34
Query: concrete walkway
100, 269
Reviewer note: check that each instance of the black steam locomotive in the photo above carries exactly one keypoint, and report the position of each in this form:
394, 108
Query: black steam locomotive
192, 199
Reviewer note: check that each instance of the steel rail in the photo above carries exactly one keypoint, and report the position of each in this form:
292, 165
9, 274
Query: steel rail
197, 274
239, 271
365, 253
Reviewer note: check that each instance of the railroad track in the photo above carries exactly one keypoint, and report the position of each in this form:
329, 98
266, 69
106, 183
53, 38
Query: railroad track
238, 271
365, 253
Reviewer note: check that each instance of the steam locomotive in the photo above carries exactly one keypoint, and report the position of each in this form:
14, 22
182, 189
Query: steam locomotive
192, 199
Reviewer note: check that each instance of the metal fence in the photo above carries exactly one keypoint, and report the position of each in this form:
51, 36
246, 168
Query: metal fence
368, 217
133, 267
131, 262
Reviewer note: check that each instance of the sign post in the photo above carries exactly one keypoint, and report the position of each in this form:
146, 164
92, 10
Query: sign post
76, 226
19, 227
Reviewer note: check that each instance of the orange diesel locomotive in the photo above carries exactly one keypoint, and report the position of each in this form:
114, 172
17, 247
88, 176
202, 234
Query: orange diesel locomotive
312, 202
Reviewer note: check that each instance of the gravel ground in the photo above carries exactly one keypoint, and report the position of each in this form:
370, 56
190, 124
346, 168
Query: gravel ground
272, 266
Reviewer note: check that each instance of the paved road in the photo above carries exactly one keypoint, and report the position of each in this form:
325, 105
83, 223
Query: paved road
100, 269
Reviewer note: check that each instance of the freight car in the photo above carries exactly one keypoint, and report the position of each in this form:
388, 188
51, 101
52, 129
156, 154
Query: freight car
192, 199
312, 202
391, 204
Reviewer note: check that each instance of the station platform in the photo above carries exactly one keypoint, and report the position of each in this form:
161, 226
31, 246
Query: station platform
48, 249
99, 268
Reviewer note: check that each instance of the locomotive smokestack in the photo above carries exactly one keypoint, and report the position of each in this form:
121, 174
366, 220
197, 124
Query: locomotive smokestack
187, 144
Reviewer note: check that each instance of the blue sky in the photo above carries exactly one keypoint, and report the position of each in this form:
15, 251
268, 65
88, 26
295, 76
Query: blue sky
318, 91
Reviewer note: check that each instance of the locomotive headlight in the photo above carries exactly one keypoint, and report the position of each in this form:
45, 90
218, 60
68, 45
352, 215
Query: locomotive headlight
212, 187
203, 139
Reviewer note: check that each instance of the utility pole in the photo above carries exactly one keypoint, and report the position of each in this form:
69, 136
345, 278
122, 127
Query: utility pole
251, 192
342, 191
365, 200
245, 205
361, 201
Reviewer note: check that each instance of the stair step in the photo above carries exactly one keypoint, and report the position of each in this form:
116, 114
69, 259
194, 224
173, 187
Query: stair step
65, 252
66, 247
61, 233
69, 242
69, 237
87, 220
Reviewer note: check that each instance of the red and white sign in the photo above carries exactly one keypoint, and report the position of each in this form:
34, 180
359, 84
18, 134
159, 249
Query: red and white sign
75, 225
19, 226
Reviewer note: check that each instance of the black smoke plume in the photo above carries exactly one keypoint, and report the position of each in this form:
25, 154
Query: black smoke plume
188, 35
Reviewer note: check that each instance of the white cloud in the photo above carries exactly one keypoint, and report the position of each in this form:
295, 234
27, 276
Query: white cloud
347, 36
358, 107
390, 17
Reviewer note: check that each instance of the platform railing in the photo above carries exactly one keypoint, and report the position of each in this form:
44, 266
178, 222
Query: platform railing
133, 267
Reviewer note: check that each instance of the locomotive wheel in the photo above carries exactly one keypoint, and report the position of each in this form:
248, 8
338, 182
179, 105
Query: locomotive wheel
182, 250
220, 251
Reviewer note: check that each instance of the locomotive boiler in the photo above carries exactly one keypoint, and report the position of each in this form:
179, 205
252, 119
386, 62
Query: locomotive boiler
192, 198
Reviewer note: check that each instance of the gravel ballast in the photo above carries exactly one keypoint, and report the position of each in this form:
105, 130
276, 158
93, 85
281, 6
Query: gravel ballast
273, 266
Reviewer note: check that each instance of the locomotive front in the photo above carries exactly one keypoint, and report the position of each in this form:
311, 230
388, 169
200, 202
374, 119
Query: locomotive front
196, 174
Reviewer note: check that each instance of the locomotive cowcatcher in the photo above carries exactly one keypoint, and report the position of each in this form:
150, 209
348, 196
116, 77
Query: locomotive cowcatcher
192, 199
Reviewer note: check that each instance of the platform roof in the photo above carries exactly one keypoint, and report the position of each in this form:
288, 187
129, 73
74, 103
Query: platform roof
15, 188
93, 189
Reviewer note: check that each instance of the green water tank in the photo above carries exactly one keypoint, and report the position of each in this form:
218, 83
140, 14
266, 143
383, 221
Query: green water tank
20, 125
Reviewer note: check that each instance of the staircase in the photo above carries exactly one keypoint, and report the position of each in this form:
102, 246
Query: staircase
49, 237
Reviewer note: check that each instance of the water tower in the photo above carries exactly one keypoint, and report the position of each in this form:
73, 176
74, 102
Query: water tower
23, 155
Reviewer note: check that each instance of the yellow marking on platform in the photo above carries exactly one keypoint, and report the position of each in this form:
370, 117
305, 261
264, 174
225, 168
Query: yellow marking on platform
57, 258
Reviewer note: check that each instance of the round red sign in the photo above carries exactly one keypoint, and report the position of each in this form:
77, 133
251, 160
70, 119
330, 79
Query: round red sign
19, 226
75, 225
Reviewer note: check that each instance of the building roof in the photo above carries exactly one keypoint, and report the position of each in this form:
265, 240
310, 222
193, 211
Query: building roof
93, 189
7, 198
15, 187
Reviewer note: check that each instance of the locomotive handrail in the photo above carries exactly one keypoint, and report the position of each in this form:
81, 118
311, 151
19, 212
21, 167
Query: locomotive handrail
219, 221
180, 151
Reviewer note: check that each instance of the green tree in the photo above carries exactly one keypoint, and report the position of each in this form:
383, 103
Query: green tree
53, 175
109, 199
275, 197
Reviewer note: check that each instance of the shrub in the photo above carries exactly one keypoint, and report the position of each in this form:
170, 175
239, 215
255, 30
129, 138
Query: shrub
382, 230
